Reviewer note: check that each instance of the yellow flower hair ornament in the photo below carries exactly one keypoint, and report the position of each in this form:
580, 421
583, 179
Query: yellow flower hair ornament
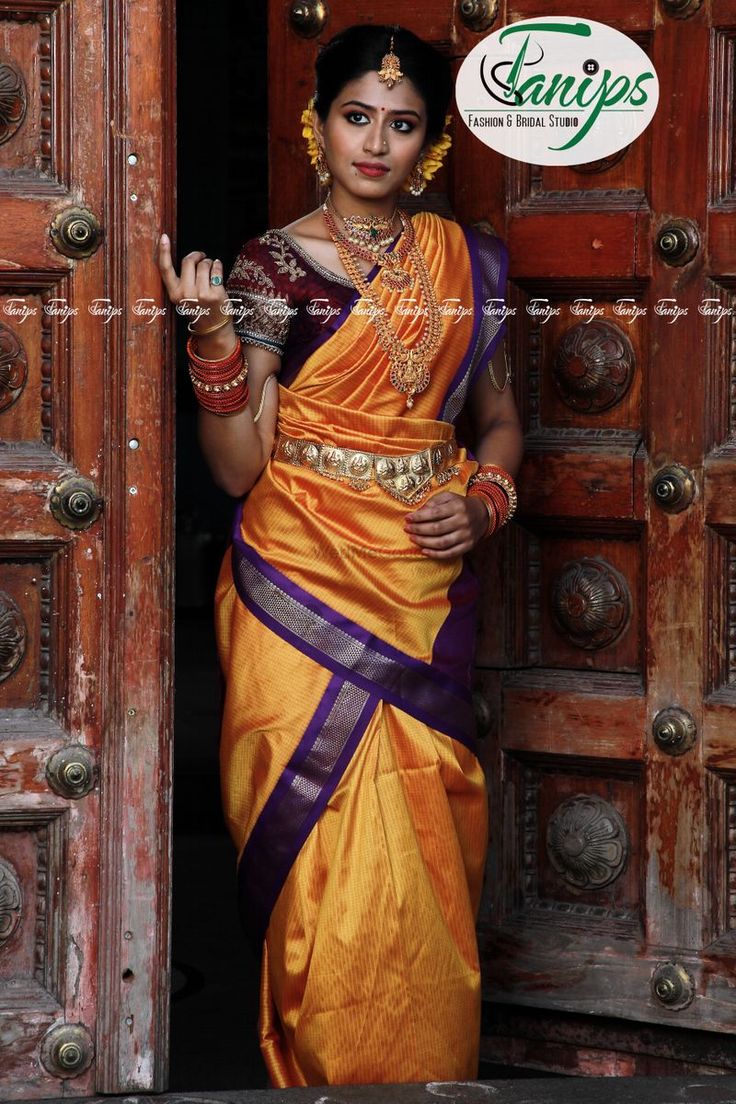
432, 160
314, 150
308, 132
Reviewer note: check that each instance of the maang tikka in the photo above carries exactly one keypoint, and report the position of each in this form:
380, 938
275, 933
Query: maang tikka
390, 71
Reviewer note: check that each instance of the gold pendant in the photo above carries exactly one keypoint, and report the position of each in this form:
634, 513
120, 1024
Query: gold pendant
396, 279
411, 377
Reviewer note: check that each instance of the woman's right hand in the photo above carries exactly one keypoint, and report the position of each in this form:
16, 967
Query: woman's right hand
195, 286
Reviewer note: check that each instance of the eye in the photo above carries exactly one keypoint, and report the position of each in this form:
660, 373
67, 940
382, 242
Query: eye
359, 118
403, 126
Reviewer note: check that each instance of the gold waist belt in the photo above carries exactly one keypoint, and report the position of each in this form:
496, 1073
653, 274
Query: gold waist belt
407, 477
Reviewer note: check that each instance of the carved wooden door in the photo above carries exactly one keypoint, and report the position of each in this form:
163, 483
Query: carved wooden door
606, 663
85, 545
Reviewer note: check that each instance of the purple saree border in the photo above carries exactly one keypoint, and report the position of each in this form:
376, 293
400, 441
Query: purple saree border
290, 813
341, 621
487, 352
477, 280
454, 643
419, 689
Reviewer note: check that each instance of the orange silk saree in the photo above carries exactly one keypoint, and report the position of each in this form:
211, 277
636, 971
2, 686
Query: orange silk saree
349, 780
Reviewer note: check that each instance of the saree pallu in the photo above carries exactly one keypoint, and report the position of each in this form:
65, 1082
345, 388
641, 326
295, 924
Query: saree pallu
350, 784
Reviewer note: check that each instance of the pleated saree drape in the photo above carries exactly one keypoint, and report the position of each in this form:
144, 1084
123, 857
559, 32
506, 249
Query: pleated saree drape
349, 779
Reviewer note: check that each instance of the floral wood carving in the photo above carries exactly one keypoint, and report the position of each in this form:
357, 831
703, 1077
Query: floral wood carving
12, 636
13, 100
587, 842
13, 367
11, 901
594, 366
591, 603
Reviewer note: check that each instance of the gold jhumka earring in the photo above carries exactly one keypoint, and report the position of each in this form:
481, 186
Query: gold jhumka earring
390, 71
417, 182
322, 168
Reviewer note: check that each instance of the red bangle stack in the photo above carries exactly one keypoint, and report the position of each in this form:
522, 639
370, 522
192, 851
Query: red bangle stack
496, 487
220, 385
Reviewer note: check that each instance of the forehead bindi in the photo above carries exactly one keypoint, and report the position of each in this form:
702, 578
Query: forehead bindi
364, 106
372, 94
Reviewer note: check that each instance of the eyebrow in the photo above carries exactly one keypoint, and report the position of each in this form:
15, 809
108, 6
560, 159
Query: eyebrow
393, 111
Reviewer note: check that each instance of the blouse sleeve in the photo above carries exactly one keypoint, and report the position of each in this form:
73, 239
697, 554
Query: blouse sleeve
260, 286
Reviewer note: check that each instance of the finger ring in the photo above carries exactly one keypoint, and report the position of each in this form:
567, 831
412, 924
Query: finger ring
216, 280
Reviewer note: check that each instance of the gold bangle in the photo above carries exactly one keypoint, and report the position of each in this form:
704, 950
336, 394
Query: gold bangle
492, 516
201, 333
505, 482
219, 360
229, 385
263, 397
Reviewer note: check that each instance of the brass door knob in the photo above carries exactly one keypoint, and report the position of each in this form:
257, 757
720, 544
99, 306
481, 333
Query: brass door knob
76, 232
71, 772
673, 488
672, 986
674, 730
680, 9
67, 1050
308, 17
75, 502
478, 15
678, 241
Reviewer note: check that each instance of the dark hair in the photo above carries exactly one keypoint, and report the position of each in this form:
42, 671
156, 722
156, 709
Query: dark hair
360, 49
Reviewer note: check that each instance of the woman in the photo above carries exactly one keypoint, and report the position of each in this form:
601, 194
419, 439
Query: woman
345, 612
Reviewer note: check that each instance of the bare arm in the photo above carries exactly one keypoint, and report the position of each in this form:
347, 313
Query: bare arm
495, 419
236, 448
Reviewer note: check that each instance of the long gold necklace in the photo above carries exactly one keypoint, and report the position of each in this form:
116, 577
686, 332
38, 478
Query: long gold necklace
409, 368
372, 248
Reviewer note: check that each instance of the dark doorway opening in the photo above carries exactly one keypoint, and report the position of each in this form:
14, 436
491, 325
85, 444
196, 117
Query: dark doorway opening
222, 201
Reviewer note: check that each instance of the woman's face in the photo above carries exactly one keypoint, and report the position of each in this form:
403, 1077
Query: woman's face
373, 136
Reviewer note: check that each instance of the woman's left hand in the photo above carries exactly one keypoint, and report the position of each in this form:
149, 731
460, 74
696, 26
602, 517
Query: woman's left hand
447, 525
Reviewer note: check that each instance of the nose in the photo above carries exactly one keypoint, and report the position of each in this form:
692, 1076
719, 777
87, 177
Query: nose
375, 139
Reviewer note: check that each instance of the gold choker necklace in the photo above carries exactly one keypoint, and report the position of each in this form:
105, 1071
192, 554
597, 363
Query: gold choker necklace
372, 232
373, 250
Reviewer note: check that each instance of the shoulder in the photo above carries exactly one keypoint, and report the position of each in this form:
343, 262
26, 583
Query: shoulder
431, 222
489, 253
267, 264
485, 238
480, 238
452, 236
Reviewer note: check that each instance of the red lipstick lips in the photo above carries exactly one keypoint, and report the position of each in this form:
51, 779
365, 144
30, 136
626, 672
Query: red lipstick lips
371, 168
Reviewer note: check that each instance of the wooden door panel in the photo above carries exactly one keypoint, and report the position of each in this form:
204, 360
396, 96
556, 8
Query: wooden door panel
52, 642
599, 246
597, 484
669, 581
595, 363
85, 612
592, 618
606, 725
